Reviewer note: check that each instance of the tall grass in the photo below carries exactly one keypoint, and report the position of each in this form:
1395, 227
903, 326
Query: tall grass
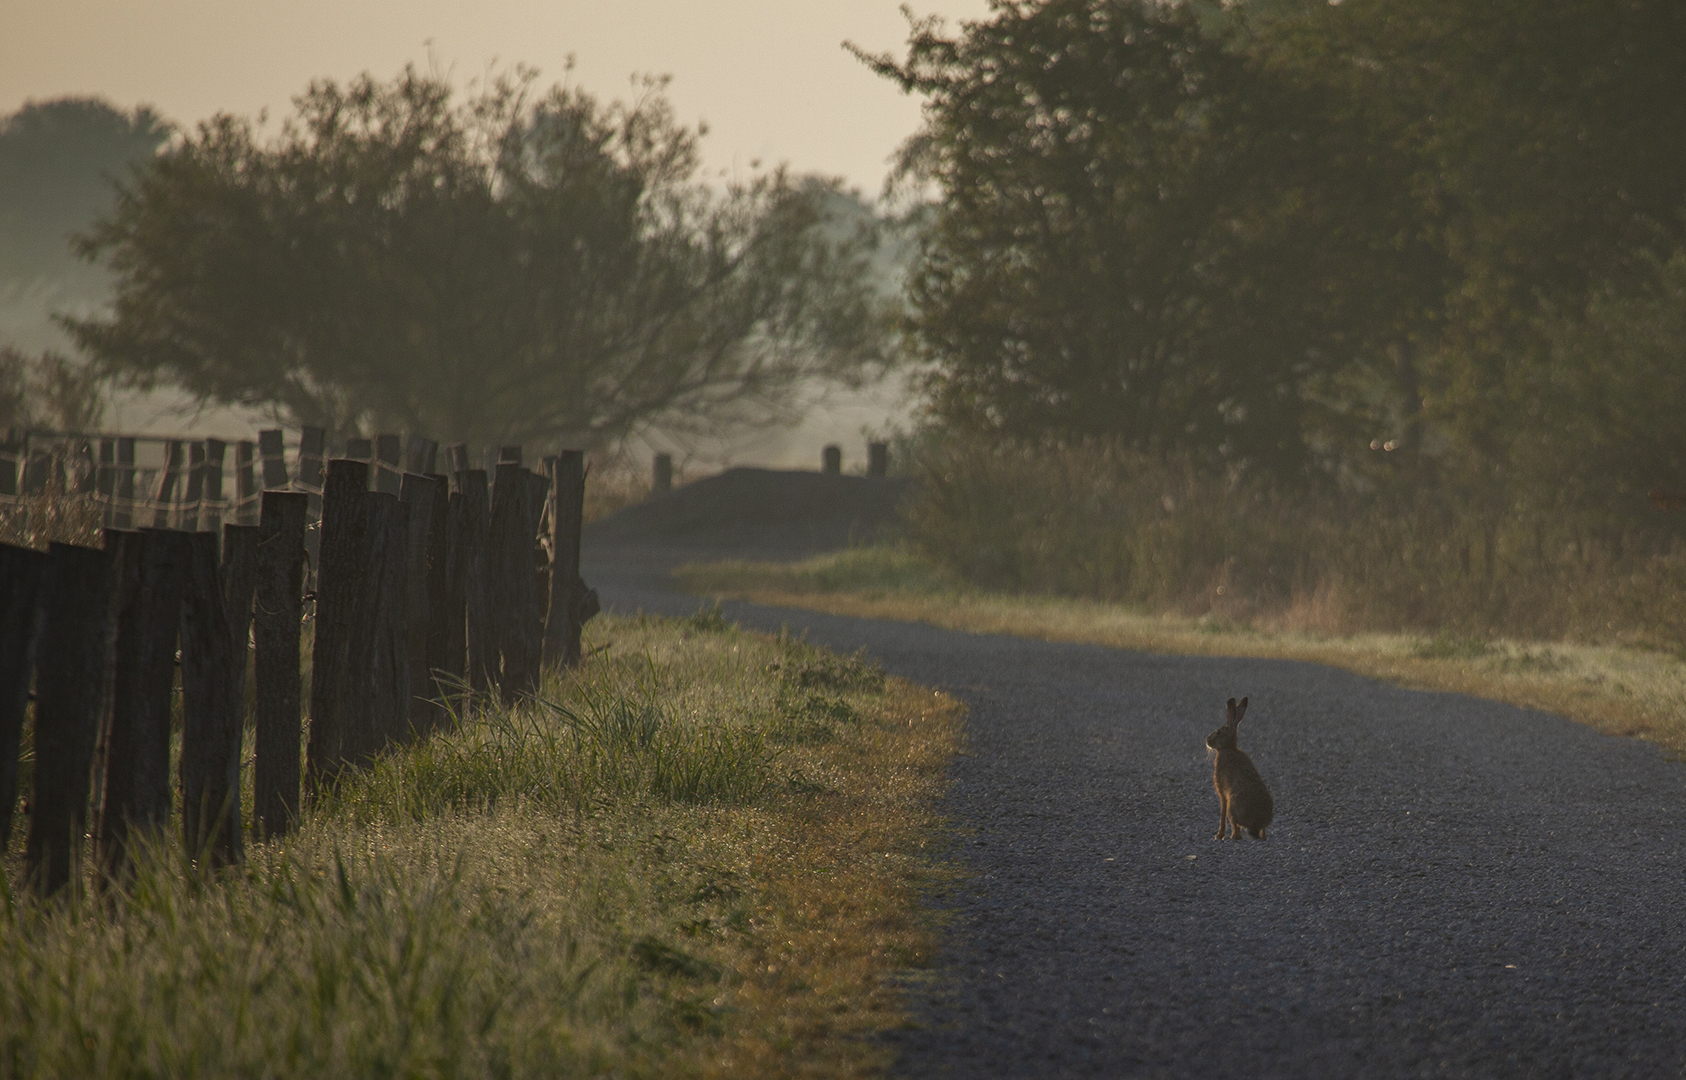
1090, 522
615, 877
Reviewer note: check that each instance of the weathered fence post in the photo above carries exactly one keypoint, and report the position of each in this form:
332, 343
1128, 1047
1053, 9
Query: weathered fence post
75, 648
878, 459
436, 652
136, 792
518, 630
421, 455
831, 460
239, 585
276, 630
169, 483
246, 482
194, 503
107, 483
662, 480
313, 450
389, 475
384, 642
211, 727
419, 494
339, 584
125, 494
211, 504
562, 626
272, 448
476, 570
23, 577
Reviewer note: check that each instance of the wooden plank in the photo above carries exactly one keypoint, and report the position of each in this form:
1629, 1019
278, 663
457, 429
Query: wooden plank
435, 650
239, 585
450, 664
419, 494
125, 494
518, 625
562, 624
137, 793
276, 632
272, 449
481, 647
23, 579
211, 713
340, 581
70, 679
389, 469
246, 482
384, 662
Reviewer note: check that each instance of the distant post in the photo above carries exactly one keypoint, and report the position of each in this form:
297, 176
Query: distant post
562, 626
663, 479
878, 459
831, 459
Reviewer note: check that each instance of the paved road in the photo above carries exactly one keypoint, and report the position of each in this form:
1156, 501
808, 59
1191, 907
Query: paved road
1452, 887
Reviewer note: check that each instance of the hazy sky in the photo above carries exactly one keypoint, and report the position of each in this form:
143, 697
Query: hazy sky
769, 76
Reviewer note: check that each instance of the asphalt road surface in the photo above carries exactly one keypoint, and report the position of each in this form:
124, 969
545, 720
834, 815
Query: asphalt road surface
1452, 887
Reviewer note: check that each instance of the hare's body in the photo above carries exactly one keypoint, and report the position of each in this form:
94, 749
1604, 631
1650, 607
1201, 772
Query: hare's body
1243, 800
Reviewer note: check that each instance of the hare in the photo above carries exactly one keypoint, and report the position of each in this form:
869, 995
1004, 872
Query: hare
1243, 800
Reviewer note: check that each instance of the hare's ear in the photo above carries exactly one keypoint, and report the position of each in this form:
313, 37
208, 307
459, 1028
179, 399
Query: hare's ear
1229, 711
1239, 711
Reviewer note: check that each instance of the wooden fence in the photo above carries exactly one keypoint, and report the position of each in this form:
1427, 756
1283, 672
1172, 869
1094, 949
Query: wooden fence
423, 585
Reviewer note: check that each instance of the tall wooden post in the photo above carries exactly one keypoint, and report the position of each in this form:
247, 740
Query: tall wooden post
137, 791
125, 493
211, 721
518, 628
272, 448
436, 651
418, 493
339, 581
390, 471
279, 613
23, 579
475, 570
246, 483
75, 648
382, 652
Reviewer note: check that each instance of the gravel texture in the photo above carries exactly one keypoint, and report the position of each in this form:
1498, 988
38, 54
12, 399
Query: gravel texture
1451, 888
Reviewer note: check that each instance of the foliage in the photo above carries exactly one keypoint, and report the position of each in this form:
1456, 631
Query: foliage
58, 160
508, 266
50, 390
1111, 524
1274, 234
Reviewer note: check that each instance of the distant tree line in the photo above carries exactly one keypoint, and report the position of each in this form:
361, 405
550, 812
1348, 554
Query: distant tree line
1380, 241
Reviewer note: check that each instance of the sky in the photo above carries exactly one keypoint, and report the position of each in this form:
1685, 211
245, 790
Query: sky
769, 77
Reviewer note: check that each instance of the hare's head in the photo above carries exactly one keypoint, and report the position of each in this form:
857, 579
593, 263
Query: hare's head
1224, 737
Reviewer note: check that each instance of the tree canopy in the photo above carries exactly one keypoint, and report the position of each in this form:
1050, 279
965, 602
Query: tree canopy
1275, 233
506, 265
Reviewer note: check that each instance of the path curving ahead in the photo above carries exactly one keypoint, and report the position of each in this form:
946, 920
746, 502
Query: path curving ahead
1452, 887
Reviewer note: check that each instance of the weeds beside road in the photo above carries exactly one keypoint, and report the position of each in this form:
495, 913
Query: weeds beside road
1616, 689
700, 858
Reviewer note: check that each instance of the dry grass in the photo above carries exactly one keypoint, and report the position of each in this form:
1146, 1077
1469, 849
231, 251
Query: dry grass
1614, 689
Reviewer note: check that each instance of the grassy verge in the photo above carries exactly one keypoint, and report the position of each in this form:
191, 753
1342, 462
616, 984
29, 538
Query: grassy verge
1617, 690
700, 856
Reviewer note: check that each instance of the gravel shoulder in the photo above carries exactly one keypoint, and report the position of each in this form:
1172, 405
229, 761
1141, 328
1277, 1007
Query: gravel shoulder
1453, 887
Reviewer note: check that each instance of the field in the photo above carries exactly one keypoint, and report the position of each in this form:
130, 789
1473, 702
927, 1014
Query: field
699, 856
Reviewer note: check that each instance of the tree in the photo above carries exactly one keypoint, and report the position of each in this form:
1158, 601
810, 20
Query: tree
57, 162
1100, 261
510, 266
